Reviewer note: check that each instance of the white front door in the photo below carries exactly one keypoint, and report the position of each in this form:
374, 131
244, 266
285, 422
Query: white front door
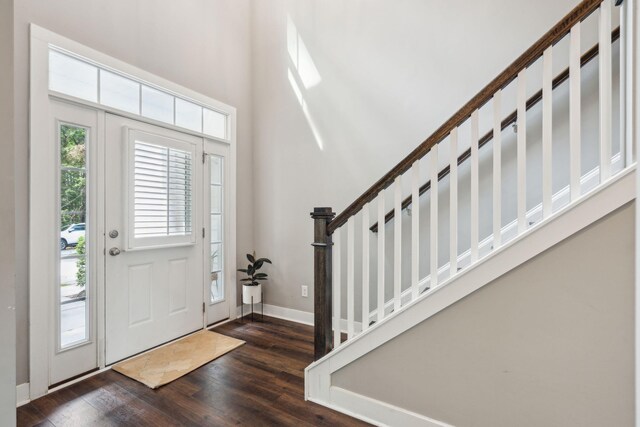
154, 236
217, 199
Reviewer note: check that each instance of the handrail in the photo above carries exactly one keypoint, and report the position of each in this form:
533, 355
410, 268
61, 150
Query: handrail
553, 36
510, 119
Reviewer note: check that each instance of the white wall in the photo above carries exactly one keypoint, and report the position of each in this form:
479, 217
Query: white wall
7, 240
201, 44
364, 84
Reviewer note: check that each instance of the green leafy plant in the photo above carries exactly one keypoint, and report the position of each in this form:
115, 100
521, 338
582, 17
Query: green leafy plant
81, 273
254, 278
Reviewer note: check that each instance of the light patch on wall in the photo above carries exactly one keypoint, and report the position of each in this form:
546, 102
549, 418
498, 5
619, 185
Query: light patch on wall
305, 110
300, 57
305, 71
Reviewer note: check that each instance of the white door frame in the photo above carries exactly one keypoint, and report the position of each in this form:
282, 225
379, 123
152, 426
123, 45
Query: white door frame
42, 268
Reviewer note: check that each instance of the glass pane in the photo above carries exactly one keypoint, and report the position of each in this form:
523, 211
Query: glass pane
215, 124
216, 199
72, 77
216, 257
216, 170
216, 228
188, 115
162, 191
73, 244
119, 92
217, 289
157, 105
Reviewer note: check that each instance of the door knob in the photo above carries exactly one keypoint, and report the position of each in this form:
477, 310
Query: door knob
114, 251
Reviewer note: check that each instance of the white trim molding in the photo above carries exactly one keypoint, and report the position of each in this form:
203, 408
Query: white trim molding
22, 394
572, 218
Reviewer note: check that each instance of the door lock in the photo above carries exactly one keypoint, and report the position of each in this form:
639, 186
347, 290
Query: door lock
113, 234
114, 251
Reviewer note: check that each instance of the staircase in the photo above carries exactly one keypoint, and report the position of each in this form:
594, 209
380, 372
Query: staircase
533, 158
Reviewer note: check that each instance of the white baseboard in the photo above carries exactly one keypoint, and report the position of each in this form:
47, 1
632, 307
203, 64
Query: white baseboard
22, 394
298, 316
375, 411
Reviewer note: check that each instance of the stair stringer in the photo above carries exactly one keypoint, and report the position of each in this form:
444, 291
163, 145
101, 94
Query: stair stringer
577, 215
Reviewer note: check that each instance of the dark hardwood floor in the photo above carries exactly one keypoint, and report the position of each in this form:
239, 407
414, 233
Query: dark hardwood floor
258, 384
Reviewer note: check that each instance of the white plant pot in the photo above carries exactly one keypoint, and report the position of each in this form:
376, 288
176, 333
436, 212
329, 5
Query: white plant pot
251, 291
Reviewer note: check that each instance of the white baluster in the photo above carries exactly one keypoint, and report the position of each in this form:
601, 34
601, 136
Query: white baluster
522, 151
453, 203
630, 88
337, 287
497, 169
624, 143
475, 186
605, 90
381, 255
434, 216
574, 112
365, 267
415, 228
397, 243
547, 129
351, 305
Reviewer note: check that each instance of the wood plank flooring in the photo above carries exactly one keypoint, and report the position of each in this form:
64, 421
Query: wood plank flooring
258, 384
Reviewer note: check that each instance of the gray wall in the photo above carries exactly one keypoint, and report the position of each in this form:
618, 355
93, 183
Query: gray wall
547, 344
7, 256
201, 44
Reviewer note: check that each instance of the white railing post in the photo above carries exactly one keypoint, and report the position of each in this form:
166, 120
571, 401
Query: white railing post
337, 287
365, 267
397, 243
433, 234
453, 203
522, 151
475, 187
497, 169
547, 132
381, 255
415, 228
574, 112
605, 86
350, 277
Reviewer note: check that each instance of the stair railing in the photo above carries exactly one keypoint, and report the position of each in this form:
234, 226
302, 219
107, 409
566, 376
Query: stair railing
329, 324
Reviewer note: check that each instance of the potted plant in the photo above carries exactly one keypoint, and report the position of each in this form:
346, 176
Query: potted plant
251, 286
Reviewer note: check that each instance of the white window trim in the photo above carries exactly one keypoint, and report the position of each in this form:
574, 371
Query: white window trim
41, 264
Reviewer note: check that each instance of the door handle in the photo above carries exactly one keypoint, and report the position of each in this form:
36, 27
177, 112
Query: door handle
114, 251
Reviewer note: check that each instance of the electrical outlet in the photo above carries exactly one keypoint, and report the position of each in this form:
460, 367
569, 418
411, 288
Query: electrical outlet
305, 291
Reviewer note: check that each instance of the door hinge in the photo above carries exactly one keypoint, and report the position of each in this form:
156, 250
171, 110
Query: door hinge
203, 232
204, 157
203, 307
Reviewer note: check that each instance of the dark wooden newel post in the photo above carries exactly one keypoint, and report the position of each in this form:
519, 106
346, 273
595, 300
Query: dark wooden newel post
322, 281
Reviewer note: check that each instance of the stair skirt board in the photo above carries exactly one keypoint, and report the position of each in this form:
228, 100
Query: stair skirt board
572, 218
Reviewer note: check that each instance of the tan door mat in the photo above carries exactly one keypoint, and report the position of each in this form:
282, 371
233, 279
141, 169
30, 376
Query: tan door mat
168, 363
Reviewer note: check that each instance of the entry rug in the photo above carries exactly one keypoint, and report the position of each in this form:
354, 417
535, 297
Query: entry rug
165, 364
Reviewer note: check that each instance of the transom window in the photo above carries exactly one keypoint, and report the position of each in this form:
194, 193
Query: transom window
79, 78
